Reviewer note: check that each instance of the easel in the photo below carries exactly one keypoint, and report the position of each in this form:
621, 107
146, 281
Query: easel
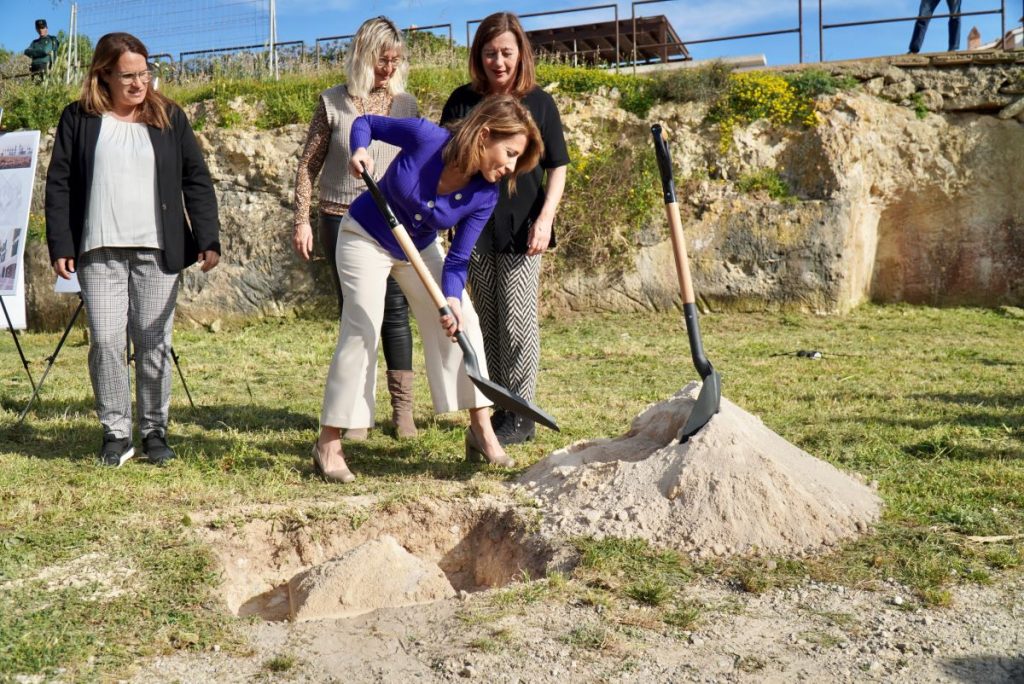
53, 357
14, 334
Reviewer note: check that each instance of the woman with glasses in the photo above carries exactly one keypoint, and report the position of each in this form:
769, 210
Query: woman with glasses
129, 204
376, 72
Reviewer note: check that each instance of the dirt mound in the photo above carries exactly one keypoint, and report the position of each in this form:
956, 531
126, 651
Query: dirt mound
735, 487
375, 574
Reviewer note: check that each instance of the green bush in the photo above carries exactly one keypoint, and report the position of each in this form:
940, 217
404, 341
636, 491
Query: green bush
35, 106
812, 83
767, 180
699, 84
636, 92
760, 95
612, 193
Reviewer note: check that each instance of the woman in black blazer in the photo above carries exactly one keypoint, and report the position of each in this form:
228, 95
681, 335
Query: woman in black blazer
129, 204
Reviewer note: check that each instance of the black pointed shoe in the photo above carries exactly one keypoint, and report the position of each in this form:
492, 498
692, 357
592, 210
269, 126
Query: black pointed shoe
516, 430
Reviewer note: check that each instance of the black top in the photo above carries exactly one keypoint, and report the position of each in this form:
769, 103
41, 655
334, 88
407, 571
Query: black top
509, 228
183, 185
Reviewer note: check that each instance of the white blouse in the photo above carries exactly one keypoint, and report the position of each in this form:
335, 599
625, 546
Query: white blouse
122, 210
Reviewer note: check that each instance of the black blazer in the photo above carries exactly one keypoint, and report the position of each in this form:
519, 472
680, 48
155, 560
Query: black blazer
183, 186
508, 231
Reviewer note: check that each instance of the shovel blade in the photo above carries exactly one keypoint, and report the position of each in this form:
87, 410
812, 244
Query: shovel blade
708, 402
511, 402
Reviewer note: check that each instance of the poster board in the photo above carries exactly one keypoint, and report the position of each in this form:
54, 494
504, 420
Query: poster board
19, 153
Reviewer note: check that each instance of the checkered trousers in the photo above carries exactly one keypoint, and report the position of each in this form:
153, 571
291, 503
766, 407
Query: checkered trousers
128, 290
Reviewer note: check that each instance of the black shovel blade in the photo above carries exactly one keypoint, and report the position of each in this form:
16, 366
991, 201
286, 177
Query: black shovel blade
510, 402
708, 402
501, 397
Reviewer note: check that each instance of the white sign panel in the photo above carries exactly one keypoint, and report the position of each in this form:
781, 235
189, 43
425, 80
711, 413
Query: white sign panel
19, 152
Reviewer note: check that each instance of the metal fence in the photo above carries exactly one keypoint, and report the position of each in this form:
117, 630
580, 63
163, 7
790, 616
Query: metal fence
798, 30
568, 10
195, 62
332, 48
822, 26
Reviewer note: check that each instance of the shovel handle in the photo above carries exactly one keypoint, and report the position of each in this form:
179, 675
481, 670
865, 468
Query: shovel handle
675, 223
408, 246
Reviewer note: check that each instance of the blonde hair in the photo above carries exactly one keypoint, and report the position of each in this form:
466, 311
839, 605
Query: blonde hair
489, 29
96, 98
375, 37
503, 116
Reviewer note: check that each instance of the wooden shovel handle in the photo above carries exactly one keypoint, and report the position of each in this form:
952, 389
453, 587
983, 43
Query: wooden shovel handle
679, 251
412, 253
664, 158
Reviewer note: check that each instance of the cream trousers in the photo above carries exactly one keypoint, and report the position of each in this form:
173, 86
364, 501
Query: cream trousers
363, 268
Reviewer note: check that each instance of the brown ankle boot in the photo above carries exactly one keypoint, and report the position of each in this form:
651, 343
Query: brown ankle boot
400, 387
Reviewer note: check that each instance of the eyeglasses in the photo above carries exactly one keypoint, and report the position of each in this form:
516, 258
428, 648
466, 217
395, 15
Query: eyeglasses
394, 62
127, 77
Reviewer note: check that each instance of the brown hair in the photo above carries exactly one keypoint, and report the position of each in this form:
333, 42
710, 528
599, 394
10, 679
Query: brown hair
489, 29
96, 98
504, 117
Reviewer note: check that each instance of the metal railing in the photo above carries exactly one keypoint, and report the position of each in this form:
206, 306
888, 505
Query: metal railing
318, 51
568, 10
799, 30
822, 26
240, 49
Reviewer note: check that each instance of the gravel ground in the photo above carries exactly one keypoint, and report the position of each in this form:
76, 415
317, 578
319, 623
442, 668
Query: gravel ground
814, 632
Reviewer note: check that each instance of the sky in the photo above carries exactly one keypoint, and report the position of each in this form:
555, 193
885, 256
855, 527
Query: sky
236, 22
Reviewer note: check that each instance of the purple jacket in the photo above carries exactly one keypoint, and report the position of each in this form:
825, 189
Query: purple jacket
410, 186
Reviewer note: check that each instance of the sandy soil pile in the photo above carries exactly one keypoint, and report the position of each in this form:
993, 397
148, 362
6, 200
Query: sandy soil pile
376, 574
735, 487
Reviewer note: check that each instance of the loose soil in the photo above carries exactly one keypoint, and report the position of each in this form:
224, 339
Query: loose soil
814, 633
734, 488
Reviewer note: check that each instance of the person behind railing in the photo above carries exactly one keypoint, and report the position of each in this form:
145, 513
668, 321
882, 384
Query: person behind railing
504, 271
925, 12
42, 51
376, 71
441, 178
129, 204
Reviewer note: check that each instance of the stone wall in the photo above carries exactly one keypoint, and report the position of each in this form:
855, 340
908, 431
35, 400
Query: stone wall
890, 206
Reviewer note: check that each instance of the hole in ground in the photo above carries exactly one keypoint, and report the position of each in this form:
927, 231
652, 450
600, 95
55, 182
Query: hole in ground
477, 544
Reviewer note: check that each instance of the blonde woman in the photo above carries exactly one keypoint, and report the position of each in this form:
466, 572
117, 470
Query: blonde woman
441, 178
125, 174
376, 70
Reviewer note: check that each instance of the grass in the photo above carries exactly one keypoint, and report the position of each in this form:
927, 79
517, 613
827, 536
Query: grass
926, 402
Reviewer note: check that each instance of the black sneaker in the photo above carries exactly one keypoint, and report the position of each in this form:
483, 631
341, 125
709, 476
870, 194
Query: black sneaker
116, 450
154, 445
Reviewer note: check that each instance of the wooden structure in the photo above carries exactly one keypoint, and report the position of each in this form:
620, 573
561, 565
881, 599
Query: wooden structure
656, 41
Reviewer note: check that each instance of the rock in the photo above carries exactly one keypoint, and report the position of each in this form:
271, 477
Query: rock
897, 601
375, 574
931, 100
874, 86
899, 90
886, 207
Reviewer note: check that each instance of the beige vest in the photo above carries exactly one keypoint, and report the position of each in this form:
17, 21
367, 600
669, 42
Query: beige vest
336, 183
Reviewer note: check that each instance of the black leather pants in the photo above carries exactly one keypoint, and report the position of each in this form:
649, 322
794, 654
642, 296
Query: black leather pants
395, 333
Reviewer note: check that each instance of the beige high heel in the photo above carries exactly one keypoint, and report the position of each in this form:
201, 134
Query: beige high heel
342, 474
475, 452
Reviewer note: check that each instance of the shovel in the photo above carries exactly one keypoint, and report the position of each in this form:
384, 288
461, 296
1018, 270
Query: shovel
710, 397
496, 393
